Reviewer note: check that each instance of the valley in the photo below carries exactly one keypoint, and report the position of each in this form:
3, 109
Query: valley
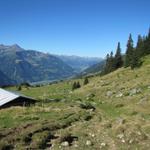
33, 66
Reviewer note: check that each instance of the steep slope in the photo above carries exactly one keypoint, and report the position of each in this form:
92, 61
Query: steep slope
123, 80
79, 63
31, 66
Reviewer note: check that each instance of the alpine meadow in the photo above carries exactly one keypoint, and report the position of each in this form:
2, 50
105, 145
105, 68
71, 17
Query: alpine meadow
78, 77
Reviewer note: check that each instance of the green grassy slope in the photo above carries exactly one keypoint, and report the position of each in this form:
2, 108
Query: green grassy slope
121, 119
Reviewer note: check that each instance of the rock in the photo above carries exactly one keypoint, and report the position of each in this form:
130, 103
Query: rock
65, 144
135, 91
88, 143
90, 96
103, 144
109, 93
120, 136
92, 135
123, 141
148, 87
75, 145
70, 92
120, 121
131, 141
119, 95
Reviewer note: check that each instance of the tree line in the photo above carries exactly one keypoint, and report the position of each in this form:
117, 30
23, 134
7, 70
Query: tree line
132, 56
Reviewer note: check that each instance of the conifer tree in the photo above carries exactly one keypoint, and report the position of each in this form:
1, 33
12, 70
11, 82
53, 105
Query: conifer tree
129, 52
78, 85
86, 81
109, 66
135, 62
111, 62
118, 62
138, 53
146, 44
139, 47
74, 86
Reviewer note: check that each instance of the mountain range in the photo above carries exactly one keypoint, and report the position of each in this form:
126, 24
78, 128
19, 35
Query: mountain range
18, 65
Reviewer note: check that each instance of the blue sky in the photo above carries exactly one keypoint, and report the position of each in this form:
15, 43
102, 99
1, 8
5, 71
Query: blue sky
72, 27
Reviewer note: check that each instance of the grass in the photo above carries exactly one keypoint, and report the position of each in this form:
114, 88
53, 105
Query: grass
116, 122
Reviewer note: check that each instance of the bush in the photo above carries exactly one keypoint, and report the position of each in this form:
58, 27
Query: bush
86, 81
19, 88
76, 85
87, 105
5, 146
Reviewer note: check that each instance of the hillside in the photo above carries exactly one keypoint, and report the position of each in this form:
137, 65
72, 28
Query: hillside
79, 63
111, 112
96, 68
4, 80
31, 66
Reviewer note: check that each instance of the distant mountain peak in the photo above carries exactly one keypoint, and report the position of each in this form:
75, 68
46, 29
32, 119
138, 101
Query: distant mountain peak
14, 47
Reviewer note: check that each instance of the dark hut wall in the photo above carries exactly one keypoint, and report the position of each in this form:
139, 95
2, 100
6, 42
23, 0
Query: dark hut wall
20, 101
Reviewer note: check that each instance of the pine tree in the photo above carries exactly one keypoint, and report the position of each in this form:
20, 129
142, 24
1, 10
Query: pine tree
111, 63
146, 44
138, 53
19, 88
129, 52
74, 86
105, 69
78, 85
139, 47
149, 33
109, 66
118, 62
86, 81
135, 62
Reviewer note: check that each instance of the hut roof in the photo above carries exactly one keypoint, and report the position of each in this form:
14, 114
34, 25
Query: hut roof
7, 96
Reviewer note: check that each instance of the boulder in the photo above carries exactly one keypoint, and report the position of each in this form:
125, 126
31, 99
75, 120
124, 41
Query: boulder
135, 91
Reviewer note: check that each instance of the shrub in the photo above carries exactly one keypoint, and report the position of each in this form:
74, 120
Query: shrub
86, 81
87, 105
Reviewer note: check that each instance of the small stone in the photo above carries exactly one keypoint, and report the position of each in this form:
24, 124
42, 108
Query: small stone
131, 141
75, 145
88, 143
139, 133
120, 136
109, 93
120, 121
123, 141
59, 146
90, 95
103, 144
119, 95
65, 144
